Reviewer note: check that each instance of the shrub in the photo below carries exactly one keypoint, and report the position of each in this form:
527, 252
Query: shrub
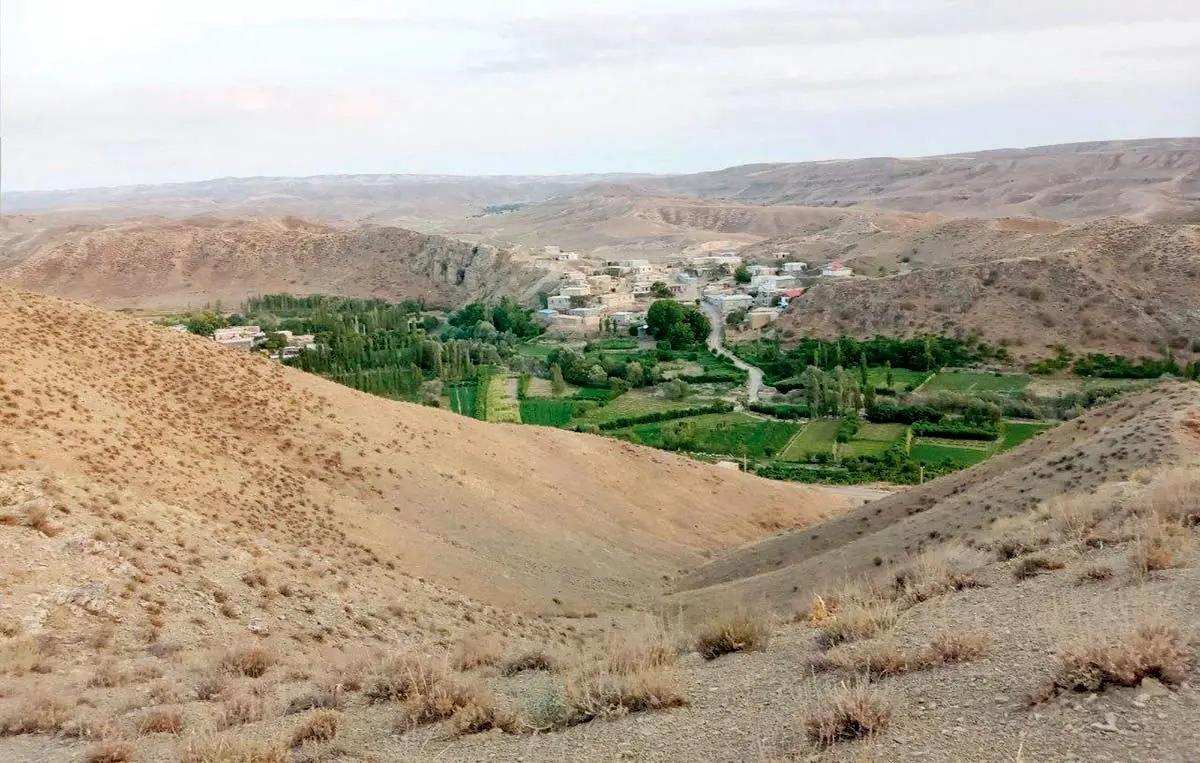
1176, 498
630, 653
872, 660
1031, 566
321, 698
476, 651
1160, 545
534, 659
1150, 649
39, 715
858, 620
163, 720
1096, 574
400, 677
947, 648
321, 726
849, 712
226, 748
240, 709
249, 661
606, 694
735, 632
948, 568
112, 750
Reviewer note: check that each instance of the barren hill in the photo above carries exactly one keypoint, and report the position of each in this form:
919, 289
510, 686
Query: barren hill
1110, 286
210, 557
1146, 179
177, 263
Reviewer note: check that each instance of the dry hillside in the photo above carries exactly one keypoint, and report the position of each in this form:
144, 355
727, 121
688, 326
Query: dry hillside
1146, 179
190, 262
1110, 285
213, 559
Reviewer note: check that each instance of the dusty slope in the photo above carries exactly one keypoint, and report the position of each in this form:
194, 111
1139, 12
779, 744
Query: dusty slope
615, 220
1148, 179
1106, 286
513, 515
190, 262
1157, 428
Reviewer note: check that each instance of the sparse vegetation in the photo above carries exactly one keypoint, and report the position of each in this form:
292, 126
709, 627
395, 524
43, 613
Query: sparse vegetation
1149, 649
740, 631
851, 711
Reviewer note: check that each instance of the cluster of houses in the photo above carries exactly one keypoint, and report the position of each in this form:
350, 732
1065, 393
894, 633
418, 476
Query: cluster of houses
593, 295
251, 338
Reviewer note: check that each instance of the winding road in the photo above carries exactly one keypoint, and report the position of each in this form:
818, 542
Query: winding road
716, 343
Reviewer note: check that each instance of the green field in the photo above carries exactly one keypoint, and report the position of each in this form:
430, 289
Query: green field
965, 381
816, 437
901, 378
873, 439
1017, 432
536, 349
931, 453
546, 411
636, 403
462, 399
731, 434
593, 393
499, 406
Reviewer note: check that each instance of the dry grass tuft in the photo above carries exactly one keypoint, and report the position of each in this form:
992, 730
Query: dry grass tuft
40, 715
321, 726
1175, 498
1150, 649
1096, 574
1160, 545
639, 650
249, 661
402, 676
161, 720
240, 709
947, 648
227, 748
602, 693
20, 655
871, 659
852, 711
476, 650
470, 706
857, 621
740, 631
533, 659
1032, 566
113, 750
945, 569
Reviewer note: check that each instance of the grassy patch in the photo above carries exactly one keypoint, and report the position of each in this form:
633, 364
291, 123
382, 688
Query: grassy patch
816, 437
633, 403
902, 378
462, 399
1017, 432
966, 381
931, 453
728, 433
546, 411
873, 439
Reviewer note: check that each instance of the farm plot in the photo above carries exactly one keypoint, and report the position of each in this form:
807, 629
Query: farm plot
902, 378
817, 437
547, 411
637, 403
874, 439
966, 381
462, 399
936, 453
1017, 432
732, 434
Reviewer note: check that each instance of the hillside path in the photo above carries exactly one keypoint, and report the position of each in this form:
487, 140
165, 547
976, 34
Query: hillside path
716, 339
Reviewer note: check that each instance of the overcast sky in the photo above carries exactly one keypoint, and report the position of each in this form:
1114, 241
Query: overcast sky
122, 91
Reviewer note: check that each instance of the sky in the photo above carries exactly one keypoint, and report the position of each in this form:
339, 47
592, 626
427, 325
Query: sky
125, 91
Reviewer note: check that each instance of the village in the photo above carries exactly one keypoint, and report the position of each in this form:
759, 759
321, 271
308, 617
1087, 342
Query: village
597, 296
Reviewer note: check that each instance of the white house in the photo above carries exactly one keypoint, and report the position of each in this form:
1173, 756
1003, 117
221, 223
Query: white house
558, 302
547, 315
836, 269
575, 291
794, 267
730, 302
239, 337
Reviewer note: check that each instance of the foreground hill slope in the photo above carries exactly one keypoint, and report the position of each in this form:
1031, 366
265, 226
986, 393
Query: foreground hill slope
516, 516
1110, 286
190, 262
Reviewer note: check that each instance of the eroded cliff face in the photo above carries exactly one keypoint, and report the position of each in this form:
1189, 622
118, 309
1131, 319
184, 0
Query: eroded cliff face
197, 261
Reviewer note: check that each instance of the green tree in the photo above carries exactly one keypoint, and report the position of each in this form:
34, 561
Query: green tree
596, 375
889, 376
675, 389
557, 385
634, 373
659, 290
742, 274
